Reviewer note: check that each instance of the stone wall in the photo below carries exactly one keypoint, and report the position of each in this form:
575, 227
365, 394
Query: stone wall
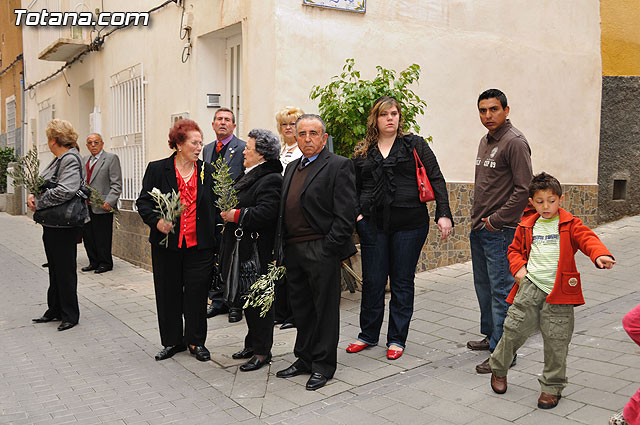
619, 148
580, 200
130, 241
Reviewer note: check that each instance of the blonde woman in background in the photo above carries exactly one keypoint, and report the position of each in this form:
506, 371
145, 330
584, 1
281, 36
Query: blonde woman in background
286, 119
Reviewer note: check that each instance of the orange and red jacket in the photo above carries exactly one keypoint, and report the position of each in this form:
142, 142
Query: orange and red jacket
574, 235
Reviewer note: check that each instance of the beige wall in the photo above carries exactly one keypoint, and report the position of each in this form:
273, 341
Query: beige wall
545, 55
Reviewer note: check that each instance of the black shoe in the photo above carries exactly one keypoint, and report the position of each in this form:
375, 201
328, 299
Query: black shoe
44, 319
66, 325
201, 352
170, 351
245, 353
255, 363
89, 268
287, 325
215, 310
278, 321
103, 269
45, 265
316, 381
292, 371
235, 315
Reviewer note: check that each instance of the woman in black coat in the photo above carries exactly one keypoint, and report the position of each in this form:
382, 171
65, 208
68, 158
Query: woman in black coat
182, 271
259, 191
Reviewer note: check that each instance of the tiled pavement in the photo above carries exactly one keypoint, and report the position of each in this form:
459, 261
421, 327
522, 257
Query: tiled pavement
103, 371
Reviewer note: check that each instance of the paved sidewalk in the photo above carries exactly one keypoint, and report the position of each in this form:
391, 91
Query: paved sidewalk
103, 371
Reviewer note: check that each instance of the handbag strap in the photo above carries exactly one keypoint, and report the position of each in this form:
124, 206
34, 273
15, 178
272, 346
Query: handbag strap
417, 158
239, 230
54, 177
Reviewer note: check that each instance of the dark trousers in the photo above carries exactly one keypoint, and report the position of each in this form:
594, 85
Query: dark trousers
394, 255
314, 283
97, 236
260, 334
181, 280
60, 246
281, 304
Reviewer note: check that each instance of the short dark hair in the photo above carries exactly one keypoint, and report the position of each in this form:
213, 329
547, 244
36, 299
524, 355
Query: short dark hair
311, 117
544, 181
267, 143
233, 116
491, 93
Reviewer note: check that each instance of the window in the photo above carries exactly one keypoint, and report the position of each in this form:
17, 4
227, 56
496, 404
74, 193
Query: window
619, 190
128, 130
45, 114
10, 104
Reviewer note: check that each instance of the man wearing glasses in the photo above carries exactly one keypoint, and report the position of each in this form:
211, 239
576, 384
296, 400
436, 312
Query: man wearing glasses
104, 175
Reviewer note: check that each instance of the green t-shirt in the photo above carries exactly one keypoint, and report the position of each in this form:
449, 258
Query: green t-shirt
545, 253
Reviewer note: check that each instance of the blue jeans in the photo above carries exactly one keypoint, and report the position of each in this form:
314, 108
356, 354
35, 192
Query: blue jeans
394, 255
492, 279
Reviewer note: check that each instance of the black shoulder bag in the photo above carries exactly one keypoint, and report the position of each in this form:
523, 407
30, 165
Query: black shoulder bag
241, 274
71, 213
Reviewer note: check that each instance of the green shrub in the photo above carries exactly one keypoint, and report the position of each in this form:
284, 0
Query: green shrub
346, 101
7, 155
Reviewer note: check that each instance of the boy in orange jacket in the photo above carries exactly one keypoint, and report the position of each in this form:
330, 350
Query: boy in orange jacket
541, 259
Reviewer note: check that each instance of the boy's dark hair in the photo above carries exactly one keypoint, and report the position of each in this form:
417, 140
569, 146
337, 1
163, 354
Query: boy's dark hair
544, 181
491, 93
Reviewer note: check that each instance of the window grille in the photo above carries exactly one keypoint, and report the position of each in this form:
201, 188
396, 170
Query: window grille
11, 121
128, 130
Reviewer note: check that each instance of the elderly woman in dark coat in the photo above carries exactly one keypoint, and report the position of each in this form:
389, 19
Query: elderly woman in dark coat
182, 270
259, 191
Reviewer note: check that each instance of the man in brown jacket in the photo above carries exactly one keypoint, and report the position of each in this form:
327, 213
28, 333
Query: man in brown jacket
503, 173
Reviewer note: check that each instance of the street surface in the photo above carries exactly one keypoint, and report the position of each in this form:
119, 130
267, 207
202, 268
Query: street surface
103, 370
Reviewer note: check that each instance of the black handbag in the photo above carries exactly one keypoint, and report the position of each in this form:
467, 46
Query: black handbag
72, 213
241, 274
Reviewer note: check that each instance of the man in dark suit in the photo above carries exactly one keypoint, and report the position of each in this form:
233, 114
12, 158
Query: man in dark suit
226, 144
230, 148
317, 217
104, 175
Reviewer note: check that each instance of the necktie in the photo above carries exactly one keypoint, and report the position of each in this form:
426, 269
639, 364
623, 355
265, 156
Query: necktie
305, 161
218, 147
93, 161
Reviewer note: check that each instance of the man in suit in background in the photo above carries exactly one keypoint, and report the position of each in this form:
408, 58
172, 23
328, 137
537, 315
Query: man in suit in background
104, 175
230, 148
226, 144
317, 217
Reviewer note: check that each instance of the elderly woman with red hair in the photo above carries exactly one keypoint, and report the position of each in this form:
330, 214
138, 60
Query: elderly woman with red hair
183, 269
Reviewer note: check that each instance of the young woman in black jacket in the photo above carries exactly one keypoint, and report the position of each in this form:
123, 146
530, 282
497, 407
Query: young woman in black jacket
392, 223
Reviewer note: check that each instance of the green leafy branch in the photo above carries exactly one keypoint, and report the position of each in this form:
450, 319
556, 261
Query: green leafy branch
96, 200
262, 292
227, 198
27, 173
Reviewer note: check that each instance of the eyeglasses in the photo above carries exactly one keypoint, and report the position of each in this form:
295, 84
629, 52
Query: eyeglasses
94, 143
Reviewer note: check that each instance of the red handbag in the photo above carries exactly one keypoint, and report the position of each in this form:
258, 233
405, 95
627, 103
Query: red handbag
424, 186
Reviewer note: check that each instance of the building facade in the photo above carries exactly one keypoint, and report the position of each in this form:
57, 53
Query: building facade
619, 164
257, 56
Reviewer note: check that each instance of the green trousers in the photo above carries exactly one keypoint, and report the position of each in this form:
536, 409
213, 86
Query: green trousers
528, 314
